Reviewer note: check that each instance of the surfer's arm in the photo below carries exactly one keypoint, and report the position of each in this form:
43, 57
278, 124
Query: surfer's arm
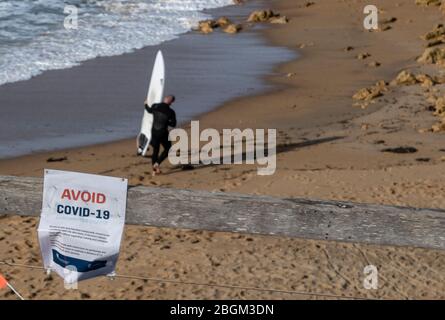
172, 120
148, 109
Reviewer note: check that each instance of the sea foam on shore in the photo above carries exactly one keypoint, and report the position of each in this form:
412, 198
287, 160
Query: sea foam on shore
33, 38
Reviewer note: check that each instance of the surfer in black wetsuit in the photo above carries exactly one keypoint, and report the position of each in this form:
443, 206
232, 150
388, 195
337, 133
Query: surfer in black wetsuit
163, 117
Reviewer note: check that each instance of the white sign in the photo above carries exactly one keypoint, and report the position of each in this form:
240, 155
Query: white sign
81, 225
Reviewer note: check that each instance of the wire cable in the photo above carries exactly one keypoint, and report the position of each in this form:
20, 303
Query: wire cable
226, 286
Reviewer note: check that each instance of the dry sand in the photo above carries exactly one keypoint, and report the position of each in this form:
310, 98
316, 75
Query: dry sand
328, 148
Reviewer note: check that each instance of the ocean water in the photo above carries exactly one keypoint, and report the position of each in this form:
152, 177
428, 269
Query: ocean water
76, 100
33, 36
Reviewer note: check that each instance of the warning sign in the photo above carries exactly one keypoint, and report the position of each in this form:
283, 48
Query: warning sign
82, 222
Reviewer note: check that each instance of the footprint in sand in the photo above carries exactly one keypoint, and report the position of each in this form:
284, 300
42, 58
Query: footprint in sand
363, 56
386, 24
374, 64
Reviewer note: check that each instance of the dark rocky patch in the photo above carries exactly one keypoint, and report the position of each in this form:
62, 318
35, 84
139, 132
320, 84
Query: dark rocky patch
55, 159
401, 150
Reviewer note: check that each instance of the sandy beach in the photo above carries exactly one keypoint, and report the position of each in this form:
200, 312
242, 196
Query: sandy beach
385, 149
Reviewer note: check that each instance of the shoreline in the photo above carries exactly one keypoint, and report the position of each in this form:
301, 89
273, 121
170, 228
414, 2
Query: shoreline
218, 67
311, 115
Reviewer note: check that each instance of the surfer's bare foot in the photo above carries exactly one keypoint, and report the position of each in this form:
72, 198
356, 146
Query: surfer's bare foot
156, 169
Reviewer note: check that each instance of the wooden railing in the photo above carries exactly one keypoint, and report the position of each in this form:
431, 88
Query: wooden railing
217, 211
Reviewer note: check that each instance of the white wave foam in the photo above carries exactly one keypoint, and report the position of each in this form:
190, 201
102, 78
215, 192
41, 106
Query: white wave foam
32, 37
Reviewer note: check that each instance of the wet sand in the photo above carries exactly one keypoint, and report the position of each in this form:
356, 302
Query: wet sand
329, 148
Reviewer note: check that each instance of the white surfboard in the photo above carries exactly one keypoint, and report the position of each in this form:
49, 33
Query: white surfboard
154, 95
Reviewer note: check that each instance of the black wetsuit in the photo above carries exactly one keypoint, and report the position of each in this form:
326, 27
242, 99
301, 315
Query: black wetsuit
163, 117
